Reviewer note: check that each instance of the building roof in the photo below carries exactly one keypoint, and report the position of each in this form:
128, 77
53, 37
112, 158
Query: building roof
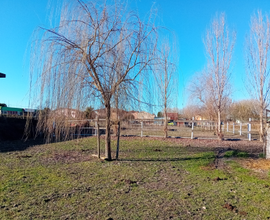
11, 109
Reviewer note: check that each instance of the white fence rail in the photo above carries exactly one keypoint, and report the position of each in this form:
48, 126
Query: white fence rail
193, 129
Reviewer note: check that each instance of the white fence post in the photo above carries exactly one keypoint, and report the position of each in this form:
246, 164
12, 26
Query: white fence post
249, 130
233, 127
227, 126
192, 127
141, 128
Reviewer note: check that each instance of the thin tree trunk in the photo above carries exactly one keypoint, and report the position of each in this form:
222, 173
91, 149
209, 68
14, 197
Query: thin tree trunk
108, 134
219, 131
261, 125
165, 124
165, 102
98, 140
118, 122
118, 140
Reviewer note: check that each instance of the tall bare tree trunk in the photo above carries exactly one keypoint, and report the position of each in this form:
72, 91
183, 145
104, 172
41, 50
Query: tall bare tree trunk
219, 132
118, 122
98, 140
261, 120
165, 122
108, 134
165, 105
118, 140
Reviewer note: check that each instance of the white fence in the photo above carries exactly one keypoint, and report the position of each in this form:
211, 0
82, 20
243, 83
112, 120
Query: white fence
193, 129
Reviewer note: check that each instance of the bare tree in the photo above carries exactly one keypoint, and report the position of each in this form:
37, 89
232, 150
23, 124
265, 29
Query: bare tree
190, 111
165, 79
214, 83
257, 62
201, 94
96, 48
245, 109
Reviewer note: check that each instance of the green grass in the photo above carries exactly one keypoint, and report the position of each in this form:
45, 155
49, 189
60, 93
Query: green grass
230, 153
154, 179
235, 153
261, 155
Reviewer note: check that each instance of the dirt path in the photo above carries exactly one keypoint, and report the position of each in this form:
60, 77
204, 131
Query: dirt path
219, 162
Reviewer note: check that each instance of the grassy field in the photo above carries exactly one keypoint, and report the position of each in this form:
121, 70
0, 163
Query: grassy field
153, 179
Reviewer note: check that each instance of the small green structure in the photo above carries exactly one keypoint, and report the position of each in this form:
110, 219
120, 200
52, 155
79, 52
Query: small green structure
11, 111
2, 75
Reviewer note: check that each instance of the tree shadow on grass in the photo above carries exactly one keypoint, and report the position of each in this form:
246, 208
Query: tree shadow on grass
22, 144
19, 145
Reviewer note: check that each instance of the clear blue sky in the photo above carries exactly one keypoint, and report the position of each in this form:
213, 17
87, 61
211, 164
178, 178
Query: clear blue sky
188, 19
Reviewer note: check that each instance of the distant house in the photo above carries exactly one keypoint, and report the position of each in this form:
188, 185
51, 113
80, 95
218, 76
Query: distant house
11, 111
159, 120
67, 112
199, 118
143, 115
101, 113
30, 112
182, 122
172, 116
123, 115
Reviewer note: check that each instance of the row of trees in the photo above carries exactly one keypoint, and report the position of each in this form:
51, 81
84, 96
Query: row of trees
101, 51
239, 110
212, 88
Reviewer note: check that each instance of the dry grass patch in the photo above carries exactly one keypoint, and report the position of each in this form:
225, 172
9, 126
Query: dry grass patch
255, 164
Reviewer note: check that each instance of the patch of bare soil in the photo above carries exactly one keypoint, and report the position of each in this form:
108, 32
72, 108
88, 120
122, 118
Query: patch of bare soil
230, 207
234, 209
219, 162
258, 165
66, 157
219, 179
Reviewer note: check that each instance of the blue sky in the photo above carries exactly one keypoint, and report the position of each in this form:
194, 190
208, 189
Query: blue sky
188, 19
